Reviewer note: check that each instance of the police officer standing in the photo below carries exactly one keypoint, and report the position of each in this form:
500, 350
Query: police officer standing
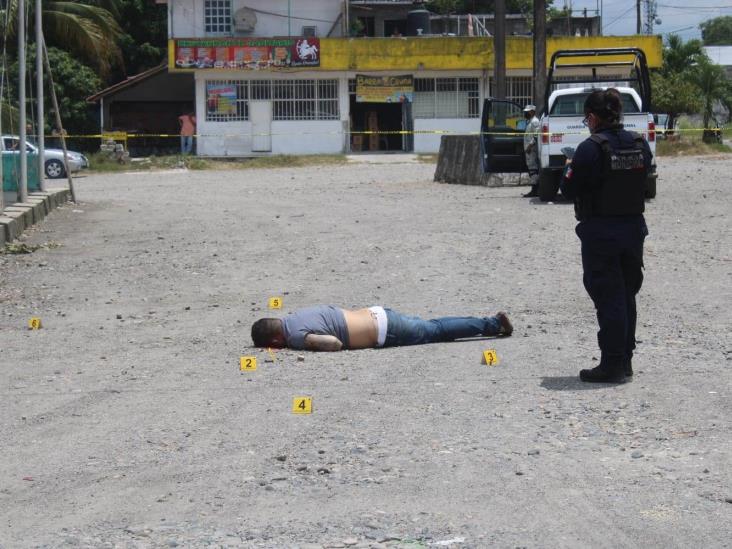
606, 178
531, 148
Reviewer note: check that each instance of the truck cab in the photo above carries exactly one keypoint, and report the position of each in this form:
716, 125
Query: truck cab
573, 75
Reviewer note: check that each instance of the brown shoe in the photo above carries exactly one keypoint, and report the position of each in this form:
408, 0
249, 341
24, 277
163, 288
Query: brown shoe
506, 326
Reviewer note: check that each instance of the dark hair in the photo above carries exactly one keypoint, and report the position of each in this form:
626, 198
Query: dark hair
606, 105
264, 330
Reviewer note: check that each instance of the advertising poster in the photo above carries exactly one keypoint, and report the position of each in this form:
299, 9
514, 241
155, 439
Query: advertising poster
246, 53
384, 89
221, 98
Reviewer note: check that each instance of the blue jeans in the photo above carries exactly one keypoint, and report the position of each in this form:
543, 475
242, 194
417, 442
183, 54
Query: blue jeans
412, 330
186, 144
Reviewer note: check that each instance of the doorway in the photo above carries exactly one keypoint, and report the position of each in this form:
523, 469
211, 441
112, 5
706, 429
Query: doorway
387, 120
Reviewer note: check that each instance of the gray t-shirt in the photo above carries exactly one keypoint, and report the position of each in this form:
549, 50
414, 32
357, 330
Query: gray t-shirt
320, 319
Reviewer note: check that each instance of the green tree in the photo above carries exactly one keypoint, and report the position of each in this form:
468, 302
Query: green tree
680, 56
74, 82
712, 83
717, 31
674, 94
144, 42
88, 30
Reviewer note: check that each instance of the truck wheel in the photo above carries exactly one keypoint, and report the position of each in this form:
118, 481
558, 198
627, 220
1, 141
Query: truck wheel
651, 187
548, 185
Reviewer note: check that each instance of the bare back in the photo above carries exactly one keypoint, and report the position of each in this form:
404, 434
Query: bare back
363, 331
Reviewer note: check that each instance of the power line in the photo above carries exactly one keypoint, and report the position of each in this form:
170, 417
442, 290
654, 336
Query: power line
619, 17
695, 8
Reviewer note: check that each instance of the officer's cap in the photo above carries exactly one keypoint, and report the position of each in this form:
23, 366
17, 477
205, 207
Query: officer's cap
528, 108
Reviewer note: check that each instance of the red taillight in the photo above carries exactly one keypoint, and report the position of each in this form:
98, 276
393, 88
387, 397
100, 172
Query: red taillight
545, 134
651, 131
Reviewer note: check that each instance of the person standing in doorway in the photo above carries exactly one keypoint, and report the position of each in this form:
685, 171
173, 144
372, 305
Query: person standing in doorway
187, 132
531, 148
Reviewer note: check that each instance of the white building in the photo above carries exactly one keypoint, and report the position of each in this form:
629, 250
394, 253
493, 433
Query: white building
278, 77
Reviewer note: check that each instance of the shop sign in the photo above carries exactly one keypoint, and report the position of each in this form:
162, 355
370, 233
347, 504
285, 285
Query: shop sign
384, 89
246, 53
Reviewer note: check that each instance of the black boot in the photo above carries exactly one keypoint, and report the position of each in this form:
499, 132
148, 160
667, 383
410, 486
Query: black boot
601, 374
533, 192
628, 367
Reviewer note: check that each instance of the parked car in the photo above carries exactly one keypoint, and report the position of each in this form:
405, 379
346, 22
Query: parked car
53, 159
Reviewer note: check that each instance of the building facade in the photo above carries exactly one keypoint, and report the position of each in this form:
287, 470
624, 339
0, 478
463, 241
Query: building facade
278, 77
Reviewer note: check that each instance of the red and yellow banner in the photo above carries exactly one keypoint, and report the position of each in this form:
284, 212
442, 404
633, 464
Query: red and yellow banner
244, 53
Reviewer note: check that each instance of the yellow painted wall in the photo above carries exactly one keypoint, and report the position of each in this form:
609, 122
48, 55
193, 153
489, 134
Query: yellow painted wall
455, 52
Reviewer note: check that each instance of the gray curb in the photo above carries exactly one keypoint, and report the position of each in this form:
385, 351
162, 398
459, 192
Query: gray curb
17, 217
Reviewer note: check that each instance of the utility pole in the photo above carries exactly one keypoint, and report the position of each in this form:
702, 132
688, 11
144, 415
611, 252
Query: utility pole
499, 49
22, 156
539, 53
39, 95
637, 16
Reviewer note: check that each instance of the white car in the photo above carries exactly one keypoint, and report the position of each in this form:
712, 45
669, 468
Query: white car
53, 158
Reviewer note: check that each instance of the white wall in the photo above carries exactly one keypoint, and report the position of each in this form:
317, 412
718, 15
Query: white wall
288, 137
187, 17
428, 143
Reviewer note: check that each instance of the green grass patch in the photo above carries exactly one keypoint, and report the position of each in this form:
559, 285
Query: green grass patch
102, 163
689, 144
427, 158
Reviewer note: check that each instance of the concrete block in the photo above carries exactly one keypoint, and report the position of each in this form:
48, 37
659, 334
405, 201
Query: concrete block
25, 213
36, 209
41, 200
460, 161
18, 222
8, 228
61, 196
2, 236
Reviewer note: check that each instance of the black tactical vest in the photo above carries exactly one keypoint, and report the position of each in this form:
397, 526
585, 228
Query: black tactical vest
622, 189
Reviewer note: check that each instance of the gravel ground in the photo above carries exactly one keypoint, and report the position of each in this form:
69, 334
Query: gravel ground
125, 421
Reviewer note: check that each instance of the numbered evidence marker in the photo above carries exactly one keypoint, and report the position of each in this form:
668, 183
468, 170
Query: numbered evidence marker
302, 405
275, 303
490, 357
34, 323
248, 363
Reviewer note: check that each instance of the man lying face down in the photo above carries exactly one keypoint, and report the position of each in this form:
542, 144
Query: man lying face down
329, 328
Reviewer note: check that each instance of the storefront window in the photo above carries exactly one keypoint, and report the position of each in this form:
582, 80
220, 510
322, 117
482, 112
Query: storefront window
227, 100
305, 100
446, 98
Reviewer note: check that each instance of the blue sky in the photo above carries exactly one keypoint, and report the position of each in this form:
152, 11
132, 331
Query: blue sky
680, 16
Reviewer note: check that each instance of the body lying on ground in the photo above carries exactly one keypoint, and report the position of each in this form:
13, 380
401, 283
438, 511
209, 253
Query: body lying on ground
330, 328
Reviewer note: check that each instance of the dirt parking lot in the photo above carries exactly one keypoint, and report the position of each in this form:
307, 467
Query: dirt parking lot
125, 421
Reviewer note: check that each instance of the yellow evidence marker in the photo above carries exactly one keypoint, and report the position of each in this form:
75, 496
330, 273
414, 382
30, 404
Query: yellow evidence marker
490, 357
302, 405
275, 302
34, 323
248, 363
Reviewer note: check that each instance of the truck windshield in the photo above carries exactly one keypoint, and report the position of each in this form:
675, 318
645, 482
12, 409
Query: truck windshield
573, 104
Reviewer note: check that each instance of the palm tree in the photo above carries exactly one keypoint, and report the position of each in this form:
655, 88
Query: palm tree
679, 56
713, 87
87, 30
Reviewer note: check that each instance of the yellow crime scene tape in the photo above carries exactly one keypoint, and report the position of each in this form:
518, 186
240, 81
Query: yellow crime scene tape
120, 136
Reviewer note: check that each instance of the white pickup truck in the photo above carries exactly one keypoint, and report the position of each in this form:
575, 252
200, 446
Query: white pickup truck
573, 75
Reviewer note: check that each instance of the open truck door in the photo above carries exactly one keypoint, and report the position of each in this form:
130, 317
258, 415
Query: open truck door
502, 137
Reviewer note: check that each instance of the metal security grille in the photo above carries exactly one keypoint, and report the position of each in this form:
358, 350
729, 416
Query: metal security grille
305, 100
227, 100
446, 98
217, 16
519, 89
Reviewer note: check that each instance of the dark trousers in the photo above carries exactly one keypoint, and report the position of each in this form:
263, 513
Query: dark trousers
612, 259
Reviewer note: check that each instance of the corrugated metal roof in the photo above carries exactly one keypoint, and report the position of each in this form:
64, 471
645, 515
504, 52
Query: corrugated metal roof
721, 55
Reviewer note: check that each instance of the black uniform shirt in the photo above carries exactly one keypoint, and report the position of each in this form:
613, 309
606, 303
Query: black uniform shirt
585, 171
